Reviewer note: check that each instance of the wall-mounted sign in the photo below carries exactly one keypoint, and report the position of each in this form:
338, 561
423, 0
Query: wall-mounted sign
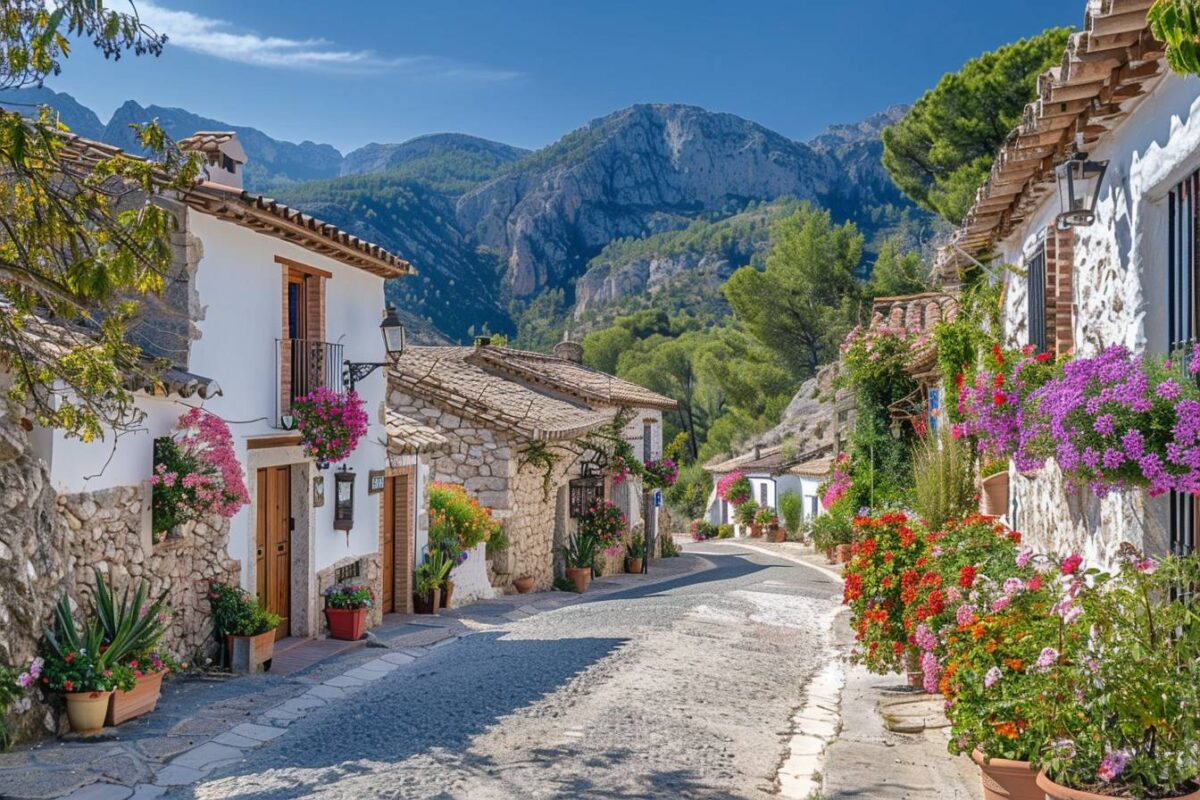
375, 479
318, 492
348, 573
343, 499
658, 498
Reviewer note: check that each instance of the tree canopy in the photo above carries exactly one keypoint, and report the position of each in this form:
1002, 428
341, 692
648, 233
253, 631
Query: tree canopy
940, 153
804, 302
80, 237
897, 272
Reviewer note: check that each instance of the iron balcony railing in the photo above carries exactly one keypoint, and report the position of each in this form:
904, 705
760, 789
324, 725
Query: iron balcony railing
301, 366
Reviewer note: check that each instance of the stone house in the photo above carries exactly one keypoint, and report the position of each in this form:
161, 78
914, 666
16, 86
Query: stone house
517, 427
1126, 277
263, 303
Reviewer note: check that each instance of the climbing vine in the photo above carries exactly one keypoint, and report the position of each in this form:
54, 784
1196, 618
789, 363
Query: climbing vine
538, 455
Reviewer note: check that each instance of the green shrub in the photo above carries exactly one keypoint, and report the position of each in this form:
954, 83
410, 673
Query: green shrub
725, 531
667, 546
943, 479
744, 514
791, 509
236, 613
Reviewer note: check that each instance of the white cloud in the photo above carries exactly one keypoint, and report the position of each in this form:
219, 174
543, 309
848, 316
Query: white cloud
225, 40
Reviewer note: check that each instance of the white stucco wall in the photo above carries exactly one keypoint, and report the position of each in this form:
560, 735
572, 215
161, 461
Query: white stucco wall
1120, 286
239, 286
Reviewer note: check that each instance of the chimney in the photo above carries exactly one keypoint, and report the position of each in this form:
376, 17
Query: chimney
223, 156
568, 350
757, 452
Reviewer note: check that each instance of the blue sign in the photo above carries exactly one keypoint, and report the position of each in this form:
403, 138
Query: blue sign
658, 498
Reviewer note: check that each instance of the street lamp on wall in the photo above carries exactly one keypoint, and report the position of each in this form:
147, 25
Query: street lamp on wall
392, 330
1079, 183
343, 500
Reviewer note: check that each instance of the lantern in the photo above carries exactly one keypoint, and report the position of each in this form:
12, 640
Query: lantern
1079, 183
393, 332
343, 499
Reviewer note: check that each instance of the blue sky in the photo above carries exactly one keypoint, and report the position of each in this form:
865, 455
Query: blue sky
527, 71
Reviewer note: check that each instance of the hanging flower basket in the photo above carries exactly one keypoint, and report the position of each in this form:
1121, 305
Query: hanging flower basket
330, 424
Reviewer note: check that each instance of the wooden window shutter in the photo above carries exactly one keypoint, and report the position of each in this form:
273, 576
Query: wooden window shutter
1060, 290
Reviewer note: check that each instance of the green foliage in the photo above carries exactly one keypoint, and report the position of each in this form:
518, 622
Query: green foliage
236, 613
667, 546
9, 692
833, 528
943, 479
132, 627
940, 153
537, 455
690, 492
725, 531
457, 521
791, 508
580, 551
431, 575
803, 303
438, 564
963, 341
635, 547
1177, 24
766, 516
897, 272
498, 542
745, 513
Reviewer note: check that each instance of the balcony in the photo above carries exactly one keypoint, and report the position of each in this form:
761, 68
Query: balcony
302, 366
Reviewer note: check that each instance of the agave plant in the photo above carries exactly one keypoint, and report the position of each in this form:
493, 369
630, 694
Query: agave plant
580, 551
132, 627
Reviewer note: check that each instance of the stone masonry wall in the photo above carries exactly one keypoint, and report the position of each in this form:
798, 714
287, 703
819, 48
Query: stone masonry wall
370, 572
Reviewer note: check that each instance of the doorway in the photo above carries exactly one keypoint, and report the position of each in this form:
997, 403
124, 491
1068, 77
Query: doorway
395, 544
274, 548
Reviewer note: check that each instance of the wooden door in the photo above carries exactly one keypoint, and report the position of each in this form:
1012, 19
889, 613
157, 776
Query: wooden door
274, 554
395, 544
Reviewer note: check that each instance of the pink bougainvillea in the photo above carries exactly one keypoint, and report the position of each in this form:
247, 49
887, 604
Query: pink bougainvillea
734, 488
196, 473
330, 424
839, 484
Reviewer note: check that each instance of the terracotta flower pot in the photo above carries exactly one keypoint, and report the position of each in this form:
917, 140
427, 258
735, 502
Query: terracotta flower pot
581, 577
427, 603
1003, 779
633, 565
1055, 792
250, 654
348, 624
447, 594
843, 554
776, 534
141, 699
87, 710
993, 499
523, 585
756, 531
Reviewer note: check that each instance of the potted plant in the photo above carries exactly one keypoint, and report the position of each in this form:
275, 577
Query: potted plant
330, 424
246, 627
1135, 729
428, 580
993, 495
702, 529
768, 522
635, 552
523, 584
580, 555
744, 515
346, 608
133, 629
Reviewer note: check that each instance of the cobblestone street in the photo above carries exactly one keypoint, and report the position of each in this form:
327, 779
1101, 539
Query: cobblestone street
680, 689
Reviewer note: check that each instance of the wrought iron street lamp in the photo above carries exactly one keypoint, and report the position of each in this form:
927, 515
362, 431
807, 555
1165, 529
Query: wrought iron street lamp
392, 330
1079, 183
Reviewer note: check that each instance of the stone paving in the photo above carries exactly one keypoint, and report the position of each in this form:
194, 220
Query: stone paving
203, 723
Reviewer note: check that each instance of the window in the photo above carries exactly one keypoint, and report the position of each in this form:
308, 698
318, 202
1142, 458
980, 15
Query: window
813, 510
647, 442
762, 493
1035, 267
1183, 311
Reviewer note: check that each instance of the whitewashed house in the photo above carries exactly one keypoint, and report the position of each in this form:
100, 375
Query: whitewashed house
264, 303
1128, 277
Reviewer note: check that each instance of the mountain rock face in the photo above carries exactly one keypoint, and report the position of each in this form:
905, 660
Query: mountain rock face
637, 172
857, 149
76, 116
383, 157
270, 159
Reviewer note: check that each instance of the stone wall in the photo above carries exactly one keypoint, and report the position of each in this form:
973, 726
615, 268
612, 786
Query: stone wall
110, 530
370, 572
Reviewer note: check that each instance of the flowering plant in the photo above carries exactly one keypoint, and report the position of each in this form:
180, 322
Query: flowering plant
330, 424
734, 488
1138, 681
745, 512
766, 516
82, 671
960, 553
196, 473
702, 529
457, 521
880, 580
1119, 420
661, 474
349, 596
993, 409
839, 484
604, 524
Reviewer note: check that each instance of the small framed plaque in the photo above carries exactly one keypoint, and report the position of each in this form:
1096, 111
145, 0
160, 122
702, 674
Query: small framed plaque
375, 481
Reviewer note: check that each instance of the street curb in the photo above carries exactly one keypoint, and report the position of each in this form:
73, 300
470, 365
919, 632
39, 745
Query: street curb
784, 556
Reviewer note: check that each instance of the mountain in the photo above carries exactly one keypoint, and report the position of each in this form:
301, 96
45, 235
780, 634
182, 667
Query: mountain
857, 149
643, 170
76, 116
270, 160
450, 162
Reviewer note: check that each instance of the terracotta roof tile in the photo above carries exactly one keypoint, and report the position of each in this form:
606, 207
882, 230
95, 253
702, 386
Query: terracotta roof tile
406, 435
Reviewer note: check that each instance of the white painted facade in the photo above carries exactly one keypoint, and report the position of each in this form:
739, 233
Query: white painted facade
772, 487
1120, 297
238, 283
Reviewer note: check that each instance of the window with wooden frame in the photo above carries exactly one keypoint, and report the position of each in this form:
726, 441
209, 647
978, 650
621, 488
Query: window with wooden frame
1050, 274
1183, 325
306, 360
1035, 270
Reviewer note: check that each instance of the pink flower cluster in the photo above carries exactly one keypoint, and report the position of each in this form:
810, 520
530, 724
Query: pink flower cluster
330, 424
725, 483
30, 676
839, 484
217, 486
